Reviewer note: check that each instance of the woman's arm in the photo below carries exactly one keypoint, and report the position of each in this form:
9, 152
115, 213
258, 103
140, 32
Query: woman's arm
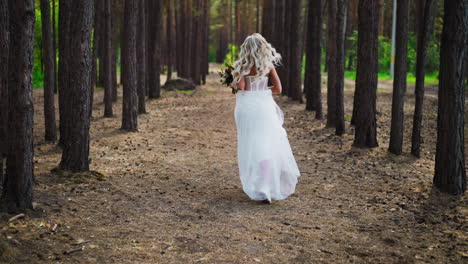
276, 81
241, 84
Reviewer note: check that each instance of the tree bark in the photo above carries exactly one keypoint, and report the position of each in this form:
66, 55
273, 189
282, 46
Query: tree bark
340, 66
54, 43
49, 76
154, 66
129, 67
76, 151
63, 71
399, 82
96, 40
286, 40
424, 33
366, 76
4, 52
17, 187
295, 77
107, 60
450, 173
268, 19
141, 55
313, 72
331, 63
170, 38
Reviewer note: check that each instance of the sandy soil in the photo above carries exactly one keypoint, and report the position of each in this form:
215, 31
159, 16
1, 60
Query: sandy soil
171, 194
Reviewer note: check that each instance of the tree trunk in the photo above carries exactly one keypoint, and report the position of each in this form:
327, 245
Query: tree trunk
17, 187
268, 19
206, 39
4, 51
54, 43
366, 76
196, 44
141, 55
313, 72
331, 63
425, 31
107, 60
129, 66
76, 151
399, 82
450, 173
170, 39
295, 77
154, 67
116, 19
63, 71
286, 39
278, 39
339, 63
49, 76
223, 34
96, 40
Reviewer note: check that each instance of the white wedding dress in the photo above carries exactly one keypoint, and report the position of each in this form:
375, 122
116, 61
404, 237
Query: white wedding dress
267, 166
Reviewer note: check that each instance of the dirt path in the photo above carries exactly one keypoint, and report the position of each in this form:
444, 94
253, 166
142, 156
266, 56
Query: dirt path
172, 194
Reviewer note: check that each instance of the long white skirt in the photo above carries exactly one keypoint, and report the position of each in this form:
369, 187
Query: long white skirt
267, 166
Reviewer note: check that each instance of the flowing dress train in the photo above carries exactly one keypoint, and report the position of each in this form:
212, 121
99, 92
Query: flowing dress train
267, 166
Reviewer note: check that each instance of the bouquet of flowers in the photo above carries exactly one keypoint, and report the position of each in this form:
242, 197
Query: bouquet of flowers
227, 78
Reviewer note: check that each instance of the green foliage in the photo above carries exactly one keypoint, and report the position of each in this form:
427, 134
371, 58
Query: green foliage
38, 75
231, 56
385, 51
212, 55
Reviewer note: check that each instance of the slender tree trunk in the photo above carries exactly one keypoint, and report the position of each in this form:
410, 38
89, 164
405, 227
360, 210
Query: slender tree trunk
4, 52
295, 77
115, 35
76, 151
129, 67
257, 27
331, 63
49, 76
141, 55
425, 31
206, 31
17, 187
366, 76
313, 52
286, 49
278, 38
96, 40
107, 60
63, 71
268, 19
339, 63
170, 39
399, 83
148, 15
196, 44
154, 67
54, 43
450, 172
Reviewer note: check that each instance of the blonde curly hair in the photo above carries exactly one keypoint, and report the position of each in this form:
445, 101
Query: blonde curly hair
255, 51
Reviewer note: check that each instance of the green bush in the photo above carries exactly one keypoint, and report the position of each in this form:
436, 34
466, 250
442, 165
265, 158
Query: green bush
231, 56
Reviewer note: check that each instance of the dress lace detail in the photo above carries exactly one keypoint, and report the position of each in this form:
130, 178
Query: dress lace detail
267, 166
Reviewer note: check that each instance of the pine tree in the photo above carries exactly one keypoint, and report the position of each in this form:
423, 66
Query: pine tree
366, 76
49, 73
450, 172
129, 67
17, 186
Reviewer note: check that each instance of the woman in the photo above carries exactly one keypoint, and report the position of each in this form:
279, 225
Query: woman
267, 166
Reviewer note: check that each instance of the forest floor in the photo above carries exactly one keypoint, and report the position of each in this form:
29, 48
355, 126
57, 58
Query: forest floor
172, 194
